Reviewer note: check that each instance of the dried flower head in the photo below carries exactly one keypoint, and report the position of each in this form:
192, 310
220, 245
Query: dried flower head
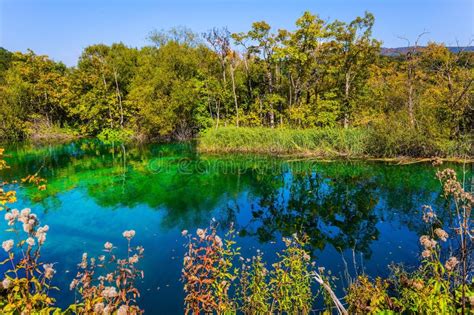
7, 245
128, 234
49, 271
109, 292
108, 245
6, 283
99, 308
426, 253
30, 241
441, 234
201, 233
451, 263
123, 310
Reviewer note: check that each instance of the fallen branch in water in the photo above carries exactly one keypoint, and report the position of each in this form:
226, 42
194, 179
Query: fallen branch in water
340, 308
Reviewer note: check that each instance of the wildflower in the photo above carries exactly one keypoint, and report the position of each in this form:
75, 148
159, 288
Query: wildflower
428, 214
123, 310
109, 292
218, 241
25, 212
30, 241
108, 245
6, 283
451, 263
109, 277
140, 250
99, 308
41, 238
201, 233
7, 245
133, 259
15, 213
471, 300
28, 228
48, 271
83, 263
427, 242
8, 216
426, 253
107, 310
306, 256
184, 232
441, 234
128, 234
73, 284
101, 258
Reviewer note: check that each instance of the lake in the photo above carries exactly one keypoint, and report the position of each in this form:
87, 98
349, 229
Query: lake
365, 214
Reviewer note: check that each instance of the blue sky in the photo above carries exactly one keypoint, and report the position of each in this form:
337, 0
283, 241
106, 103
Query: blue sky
61, 29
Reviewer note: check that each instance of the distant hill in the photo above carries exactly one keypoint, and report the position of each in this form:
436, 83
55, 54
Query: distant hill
403, 50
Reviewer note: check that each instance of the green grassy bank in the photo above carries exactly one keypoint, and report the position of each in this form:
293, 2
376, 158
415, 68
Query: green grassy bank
331, 142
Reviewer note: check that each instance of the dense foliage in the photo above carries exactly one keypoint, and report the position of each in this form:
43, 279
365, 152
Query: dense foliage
322, 74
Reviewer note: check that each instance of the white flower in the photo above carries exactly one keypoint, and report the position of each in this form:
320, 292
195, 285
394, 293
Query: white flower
218, 241
99, 308
15, 213
30, 241
133, 259
123, 310
6, 283
128, 234
27, 227
7, 245
9, 216
184, 232
109, 292
201, 233
48, 270
108, 245
73, 284
41, 237
25, 212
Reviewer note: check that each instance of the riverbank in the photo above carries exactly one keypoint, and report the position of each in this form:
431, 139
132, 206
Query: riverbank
331, 143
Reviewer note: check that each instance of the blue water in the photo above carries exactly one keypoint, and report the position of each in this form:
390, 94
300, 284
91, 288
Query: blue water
365, 214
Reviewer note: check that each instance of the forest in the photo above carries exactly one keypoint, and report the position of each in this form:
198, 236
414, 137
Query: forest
322, 75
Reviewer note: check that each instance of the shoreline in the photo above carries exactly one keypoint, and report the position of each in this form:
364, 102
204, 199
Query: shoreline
303, 156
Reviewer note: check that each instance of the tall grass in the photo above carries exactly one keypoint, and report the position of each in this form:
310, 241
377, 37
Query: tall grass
321, 142
332, 142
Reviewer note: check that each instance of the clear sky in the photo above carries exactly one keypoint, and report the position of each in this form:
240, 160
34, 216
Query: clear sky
61, 29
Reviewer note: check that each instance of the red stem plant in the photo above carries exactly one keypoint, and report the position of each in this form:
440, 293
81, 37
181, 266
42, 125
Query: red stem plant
106, 284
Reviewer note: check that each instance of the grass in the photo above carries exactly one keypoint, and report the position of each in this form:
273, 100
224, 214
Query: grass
331, 142
318, 142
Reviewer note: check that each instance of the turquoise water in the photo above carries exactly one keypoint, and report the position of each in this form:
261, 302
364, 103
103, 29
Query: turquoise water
358, 211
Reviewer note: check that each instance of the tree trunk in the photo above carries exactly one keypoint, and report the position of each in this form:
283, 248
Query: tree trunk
235, 95
346, 99
119, 97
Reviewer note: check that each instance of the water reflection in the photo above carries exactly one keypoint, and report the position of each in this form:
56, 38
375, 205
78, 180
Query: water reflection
373, 208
